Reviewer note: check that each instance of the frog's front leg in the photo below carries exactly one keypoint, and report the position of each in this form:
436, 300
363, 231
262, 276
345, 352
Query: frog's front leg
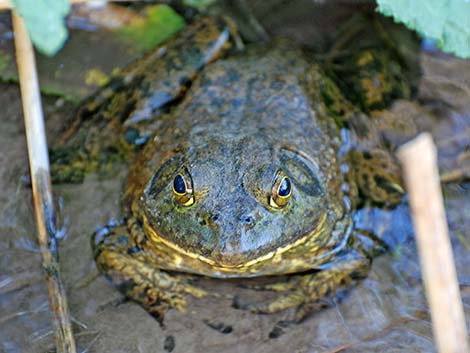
130, 268
307, 292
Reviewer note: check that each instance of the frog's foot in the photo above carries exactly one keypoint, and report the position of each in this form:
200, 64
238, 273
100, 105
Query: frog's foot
377, 176
369, 244
273, 287
309, 292
136, 275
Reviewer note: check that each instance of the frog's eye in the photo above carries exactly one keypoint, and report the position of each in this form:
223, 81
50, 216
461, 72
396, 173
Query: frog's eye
183, 188
281, 191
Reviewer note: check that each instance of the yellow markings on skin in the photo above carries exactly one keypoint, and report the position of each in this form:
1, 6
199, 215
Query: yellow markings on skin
365, 58
158, 239
374, 88
298, 242
243, 268
177, 260
96, 77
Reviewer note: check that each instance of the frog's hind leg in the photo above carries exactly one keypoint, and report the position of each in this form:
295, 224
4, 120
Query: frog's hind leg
130, 269
376, 175
124, 114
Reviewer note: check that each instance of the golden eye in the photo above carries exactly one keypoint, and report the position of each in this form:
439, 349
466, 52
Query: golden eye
281, 191
183, 188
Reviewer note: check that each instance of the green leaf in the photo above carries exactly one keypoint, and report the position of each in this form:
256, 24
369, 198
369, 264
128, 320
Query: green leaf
447, 21
161, 23
45, 22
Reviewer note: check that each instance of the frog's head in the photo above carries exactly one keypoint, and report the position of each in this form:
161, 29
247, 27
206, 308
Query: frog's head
233, 203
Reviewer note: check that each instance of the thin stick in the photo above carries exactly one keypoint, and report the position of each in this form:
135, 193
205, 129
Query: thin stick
40, 179
419, 161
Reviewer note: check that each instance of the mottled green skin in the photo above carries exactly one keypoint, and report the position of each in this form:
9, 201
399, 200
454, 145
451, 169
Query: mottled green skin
243, 119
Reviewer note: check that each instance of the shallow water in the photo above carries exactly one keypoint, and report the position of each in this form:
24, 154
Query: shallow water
386, 312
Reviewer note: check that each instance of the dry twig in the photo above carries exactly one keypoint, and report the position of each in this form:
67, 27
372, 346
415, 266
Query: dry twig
40, 179
419, 160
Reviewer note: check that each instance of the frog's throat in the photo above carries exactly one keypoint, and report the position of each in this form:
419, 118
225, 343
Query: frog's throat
308, 236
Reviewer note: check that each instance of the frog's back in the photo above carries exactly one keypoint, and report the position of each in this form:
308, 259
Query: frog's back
263, 95
261, 90
254, 101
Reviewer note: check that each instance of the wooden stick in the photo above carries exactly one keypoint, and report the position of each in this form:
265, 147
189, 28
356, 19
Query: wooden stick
419, 161
40, 179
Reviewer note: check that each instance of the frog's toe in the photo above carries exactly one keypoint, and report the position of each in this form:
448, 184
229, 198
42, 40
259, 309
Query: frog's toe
293, 299
170, 290
272, 287
158, 312
305, 310
194, 291
157, 301
175, 300
369, 244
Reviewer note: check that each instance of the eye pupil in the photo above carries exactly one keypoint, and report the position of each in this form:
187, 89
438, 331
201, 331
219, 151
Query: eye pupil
183, 188
179, 184
284, 187
281, 191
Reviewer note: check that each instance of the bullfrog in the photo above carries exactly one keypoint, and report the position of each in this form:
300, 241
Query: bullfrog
239, 167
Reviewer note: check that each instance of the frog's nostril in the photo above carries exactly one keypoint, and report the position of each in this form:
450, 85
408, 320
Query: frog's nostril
248, 220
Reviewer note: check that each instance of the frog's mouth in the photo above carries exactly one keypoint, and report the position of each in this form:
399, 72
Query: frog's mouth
196, 263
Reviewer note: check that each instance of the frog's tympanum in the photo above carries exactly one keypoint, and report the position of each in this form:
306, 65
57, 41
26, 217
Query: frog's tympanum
238, 168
